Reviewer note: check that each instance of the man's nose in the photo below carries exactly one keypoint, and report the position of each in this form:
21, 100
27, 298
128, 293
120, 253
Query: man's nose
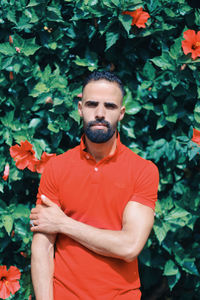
100, 112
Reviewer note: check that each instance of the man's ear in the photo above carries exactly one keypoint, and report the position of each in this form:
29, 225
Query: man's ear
122, 113
80, 106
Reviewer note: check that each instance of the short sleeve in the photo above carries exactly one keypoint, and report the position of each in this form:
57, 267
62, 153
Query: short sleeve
146, 187
48, 183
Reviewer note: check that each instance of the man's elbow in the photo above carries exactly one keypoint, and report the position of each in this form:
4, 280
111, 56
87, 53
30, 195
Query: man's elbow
130, 254
41, 244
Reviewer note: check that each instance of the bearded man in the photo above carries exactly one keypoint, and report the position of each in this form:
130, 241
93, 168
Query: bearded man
95, 207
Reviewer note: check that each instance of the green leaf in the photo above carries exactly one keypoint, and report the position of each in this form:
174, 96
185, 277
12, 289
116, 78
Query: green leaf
177, 213
149, 71
116, 3
39, 147
39, 89
129, 131
183, 139
161, 122
21, 228
7, 223
111, 38
53, 45
23, 23
172, 118
132, 106
21, 211
35, 122
176, 50
161, 229
190, 267
7, 49
15, 174
53, 127
90, 61
170, 268
164, 62
172, 280
33, 3
1, 187
126, 21
75, 116
29, 49
170, 13
53, 14
7, 120
193, 152
11, 15
197, 112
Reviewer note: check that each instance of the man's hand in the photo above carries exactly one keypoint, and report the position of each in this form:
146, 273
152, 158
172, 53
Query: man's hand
47, 217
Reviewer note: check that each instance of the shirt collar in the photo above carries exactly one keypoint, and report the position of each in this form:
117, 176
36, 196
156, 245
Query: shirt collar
85, 154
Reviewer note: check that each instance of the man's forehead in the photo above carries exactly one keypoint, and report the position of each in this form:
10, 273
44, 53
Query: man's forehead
102, 90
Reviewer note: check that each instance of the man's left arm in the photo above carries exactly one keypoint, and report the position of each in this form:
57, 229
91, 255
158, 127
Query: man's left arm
125, 244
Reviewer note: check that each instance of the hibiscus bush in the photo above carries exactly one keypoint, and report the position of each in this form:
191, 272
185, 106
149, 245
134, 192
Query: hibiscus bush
47, 48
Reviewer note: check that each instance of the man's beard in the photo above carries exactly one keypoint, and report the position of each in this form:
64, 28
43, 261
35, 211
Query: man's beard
99, 135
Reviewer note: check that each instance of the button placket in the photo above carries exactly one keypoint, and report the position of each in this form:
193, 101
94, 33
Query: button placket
96, 174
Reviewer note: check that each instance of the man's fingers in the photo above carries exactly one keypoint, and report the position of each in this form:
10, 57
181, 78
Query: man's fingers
47, 201
33, 223
34, 211
33, 216
35, 228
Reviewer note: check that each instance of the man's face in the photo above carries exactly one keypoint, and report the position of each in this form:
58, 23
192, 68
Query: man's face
101, 109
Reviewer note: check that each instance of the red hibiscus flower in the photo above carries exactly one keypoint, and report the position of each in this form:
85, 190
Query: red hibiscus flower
9, 281
49, 100
24, 156
42, 162
11, 76
6, 172
10, 39
196, 136
17, 49
191, 44
139, 16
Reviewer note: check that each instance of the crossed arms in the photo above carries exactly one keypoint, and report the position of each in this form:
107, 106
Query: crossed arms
49, 220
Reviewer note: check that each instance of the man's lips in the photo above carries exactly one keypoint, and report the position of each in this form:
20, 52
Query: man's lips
99, 126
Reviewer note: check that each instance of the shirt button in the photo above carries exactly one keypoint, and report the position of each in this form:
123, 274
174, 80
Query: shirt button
96, 169
87, 156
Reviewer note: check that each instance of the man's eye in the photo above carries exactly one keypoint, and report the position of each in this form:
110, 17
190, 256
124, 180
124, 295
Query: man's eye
91, 104
110, 105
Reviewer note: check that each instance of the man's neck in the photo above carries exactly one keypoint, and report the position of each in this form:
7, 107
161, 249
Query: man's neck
101, 150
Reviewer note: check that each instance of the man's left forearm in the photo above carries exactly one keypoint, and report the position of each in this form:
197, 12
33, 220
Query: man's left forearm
110, 243
125, 244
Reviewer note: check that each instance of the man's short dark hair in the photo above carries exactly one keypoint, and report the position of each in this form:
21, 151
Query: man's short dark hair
105, 75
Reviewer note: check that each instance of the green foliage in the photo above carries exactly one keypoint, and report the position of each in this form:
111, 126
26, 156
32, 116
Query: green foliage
52, 47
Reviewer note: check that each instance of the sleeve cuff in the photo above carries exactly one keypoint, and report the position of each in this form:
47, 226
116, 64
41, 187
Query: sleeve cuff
143, 201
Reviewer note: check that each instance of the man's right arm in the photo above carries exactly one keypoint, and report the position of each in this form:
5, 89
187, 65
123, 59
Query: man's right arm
42, 265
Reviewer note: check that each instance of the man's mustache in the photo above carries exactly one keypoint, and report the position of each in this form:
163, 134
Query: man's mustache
99, 122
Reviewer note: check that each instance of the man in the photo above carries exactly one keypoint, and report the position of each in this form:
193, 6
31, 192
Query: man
95, 205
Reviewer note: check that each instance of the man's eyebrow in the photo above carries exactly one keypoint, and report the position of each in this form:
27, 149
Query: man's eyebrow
91, 102
110, 104
106, 104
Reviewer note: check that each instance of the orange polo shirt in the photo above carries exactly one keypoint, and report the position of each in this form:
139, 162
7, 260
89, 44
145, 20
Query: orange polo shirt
96, 194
